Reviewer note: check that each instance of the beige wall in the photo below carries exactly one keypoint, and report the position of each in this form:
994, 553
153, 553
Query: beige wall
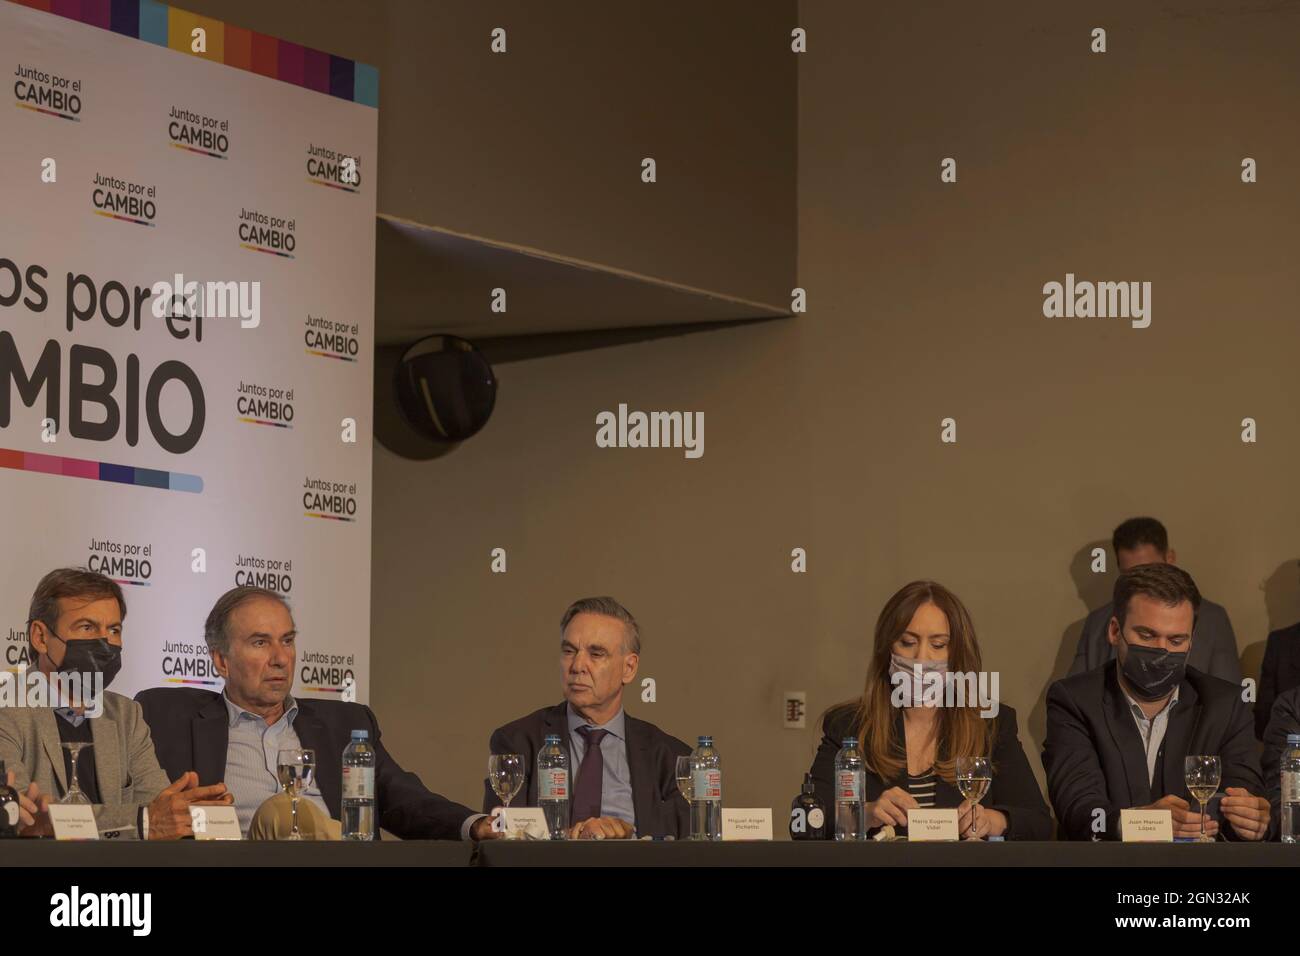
542, 146
823, 432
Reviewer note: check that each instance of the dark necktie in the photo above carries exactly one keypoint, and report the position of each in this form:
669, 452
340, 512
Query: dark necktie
586, 792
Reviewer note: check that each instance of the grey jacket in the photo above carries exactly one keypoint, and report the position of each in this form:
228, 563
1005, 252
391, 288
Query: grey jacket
125, 765
1214, 646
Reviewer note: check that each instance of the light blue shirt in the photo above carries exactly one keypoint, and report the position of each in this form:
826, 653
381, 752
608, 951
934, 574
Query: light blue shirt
71, 715
616, 782
251, 756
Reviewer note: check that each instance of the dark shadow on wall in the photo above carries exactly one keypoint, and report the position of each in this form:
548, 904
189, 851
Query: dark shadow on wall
396, 435
1281, 604
1094, 590
522, 348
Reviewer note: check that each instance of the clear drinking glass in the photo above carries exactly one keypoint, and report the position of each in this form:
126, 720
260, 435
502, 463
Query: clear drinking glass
75, 794
974, 777
685, 782
296, 769
506, 774
1201, 774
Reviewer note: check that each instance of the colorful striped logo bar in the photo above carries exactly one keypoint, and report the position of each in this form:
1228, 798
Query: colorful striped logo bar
201, 152
321, 182
182, 680
138, 222
100, 471
37, 109
344, 358
269, 252
263, 421
234, 46
314, 514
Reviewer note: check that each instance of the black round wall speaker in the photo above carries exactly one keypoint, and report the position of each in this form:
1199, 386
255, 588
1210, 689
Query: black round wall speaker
445, 388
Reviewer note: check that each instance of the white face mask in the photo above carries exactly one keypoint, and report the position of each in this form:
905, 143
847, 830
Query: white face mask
907, 665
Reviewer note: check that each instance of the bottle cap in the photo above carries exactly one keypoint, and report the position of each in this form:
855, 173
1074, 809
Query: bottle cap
850, 741
552, 738
706, 741
1293, 740
360, 735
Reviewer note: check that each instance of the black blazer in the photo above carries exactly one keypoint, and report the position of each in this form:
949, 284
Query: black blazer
1278, 674
1013, 790
1284, 720
651, 762
190, 729
1094, 756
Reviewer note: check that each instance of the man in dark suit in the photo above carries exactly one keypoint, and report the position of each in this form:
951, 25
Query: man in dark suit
1145, 541
1284, 720
233, 737
1117, 735
1278, 674
623, 769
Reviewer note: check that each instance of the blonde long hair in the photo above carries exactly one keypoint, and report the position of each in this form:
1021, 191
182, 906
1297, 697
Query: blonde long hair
961, 731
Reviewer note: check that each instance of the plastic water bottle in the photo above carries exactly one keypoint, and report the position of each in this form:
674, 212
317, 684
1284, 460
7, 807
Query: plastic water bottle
706, 786
850, 781
8, 808
1290, 773
553, 786
359, 788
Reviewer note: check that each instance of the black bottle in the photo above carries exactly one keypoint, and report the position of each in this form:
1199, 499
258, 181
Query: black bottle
807, 814
8, 808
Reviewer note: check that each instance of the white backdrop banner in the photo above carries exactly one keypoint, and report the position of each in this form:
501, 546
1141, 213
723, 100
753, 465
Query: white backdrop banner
186, 329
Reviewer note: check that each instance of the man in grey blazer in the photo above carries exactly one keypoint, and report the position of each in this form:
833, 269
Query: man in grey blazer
75, 627
1214, 650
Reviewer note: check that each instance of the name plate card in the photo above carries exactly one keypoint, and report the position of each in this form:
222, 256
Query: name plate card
73, 821
1146, 826
931, 825
215, 823
521, 823
754, 823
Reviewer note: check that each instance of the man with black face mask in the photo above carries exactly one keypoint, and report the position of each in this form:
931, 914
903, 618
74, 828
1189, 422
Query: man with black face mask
75, 633
1118, 735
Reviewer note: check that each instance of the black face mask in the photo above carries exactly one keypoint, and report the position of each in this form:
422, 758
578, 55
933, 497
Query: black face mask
91, 656
1152, 673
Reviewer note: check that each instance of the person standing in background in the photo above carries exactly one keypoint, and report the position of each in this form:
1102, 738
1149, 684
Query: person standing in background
1145, 541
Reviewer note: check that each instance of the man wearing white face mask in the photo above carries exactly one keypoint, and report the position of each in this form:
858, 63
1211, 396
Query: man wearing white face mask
1118, 735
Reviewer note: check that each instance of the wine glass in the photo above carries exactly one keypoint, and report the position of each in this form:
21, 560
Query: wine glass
974, 776
685, 782
75, 794
296, 769
506, 774
1201, 774
506, 771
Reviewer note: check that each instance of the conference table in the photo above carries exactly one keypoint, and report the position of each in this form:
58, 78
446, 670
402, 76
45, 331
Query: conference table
641, 853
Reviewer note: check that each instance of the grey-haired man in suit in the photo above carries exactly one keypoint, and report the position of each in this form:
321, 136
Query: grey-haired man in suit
75, 627
623, 769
